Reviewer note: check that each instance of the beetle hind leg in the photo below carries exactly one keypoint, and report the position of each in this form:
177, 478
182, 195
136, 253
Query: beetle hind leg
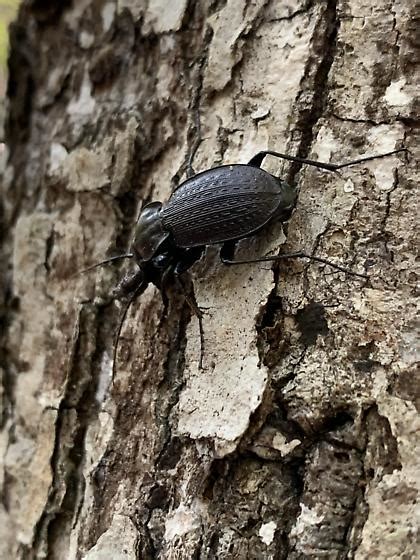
257, 160
228, 260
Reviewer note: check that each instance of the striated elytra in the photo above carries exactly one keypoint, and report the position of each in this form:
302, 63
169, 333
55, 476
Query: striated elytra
222, 204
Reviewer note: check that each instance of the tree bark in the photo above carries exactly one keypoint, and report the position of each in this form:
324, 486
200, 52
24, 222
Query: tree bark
299, 437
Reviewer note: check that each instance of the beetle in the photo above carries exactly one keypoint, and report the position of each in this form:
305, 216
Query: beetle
218, 206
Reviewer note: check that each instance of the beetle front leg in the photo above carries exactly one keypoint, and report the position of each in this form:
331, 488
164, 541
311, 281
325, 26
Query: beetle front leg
133, 282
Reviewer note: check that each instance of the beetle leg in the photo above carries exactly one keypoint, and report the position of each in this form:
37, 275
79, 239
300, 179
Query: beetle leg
227, 252
182, 266
128, 284
142, 285
188, 258
165, 281
190, 300
197, 312
190, 170
257, 160
296, 255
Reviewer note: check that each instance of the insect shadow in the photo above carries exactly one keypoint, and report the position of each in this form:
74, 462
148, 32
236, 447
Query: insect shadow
217, 206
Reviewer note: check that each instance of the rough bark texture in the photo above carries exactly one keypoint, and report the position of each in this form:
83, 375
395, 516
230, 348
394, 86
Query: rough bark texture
299, 438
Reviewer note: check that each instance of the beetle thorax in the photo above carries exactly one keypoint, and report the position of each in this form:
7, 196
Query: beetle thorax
149, 232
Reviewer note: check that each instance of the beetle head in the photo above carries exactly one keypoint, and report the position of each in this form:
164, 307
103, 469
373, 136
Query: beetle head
149, 233
288, 202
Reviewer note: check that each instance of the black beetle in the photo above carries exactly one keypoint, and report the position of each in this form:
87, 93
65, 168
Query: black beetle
220, 205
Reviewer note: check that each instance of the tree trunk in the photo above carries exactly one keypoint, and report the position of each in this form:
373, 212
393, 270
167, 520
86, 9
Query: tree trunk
299, 436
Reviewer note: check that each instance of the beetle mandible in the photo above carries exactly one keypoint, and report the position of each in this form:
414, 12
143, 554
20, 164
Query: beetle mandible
219, 206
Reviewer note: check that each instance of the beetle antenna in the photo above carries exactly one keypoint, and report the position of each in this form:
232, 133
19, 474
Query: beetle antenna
106, 261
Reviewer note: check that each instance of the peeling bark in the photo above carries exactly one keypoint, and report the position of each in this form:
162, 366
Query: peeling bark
299, 438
